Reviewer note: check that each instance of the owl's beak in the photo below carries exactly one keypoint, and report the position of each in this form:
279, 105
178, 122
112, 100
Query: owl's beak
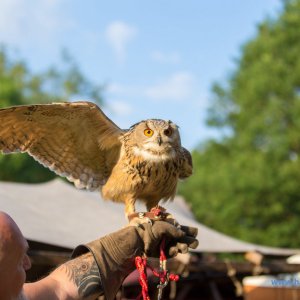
159, 140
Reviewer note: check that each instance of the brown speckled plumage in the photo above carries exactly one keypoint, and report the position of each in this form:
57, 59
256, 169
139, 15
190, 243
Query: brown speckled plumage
76, 140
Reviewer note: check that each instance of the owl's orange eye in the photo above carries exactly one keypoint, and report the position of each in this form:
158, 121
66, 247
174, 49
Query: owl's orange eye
148, 132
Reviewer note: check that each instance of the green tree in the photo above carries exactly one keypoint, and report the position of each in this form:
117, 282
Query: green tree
20, 86
248, 183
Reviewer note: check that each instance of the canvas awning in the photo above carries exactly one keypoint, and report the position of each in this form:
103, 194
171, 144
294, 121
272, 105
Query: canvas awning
57, 213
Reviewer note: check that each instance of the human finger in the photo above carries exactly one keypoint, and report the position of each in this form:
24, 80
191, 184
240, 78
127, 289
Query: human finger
190, 241
191, 231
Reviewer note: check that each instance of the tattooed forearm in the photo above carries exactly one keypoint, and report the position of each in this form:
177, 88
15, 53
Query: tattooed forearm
83, 271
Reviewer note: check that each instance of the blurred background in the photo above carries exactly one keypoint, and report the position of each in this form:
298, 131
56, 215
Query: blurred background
227, 72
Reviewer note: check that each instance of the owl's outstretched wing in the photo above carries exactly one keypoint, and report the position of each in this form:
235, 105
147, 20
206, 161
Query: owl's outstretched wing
75, 140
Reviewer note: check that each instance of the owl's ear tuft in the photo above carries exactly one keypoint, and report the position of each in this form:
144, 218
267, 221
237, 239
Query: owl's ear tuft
172, 124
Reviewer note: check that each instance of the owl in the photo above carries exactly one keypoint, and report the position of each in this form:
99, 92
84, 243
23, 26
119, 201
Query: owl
78, 141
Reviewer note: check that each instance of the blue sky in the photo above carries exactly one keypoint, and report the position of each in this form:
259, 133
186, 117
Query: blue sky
157, 59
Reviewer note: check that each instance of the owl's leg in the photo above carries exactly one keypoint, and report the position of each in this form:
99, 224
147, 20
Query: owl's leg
129, 206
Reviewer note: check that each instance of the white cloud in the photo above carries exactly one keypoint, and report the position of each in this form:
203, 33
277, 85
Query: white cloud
120, 108
122, 89
116, 88
26, 21
119, 34
179, 86
169, 58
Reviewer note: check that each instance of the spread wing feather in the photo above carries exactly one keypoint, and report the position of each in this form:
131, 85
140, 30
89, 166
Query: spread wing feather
75, 140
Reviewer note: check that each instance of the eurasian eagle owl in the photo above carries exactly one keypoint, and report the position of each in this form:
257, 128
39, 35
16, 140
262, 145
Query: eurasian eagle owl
77, 140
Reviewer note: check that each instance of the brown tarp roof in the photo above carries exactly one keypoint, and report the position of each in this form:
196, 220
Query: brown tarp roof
57, 213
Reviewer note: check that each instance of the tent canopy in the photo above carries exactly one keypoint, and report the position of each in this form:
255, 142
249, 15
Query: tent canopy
57, 213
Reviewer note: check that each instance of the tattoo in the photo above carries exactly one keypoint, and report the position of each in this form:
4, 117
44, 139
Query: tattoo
83, 271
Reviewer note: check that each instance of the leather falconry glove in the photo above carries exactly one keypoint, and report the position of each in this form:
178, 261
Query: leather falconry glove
115, 252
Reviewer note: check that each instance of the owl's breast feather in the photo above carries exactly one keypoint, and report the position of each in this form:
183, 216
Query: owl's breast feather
153, 156
142, 173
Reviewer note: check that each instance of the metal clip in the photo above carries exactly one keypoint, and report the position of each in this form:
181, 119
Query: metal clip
161, 286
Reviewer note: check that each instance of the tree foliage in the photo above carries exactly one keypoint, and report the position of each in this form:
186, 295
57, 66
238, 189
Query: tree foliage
20, 86
248, 184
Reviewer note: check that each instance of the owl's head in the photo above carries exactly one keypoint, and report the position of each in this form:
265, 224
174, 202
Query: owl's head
155, 135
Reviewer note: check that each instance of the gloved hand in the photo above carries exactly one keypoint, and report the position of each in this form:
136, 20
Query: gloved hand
177, 238
115, 252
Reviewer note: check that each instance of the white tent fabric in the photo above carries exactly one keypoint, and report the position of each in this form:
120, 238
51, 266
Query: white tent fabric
57, 213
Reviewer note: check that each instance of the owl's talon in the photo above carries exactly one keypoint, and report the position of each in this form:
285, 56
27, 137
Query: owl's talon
155, 214
138, 221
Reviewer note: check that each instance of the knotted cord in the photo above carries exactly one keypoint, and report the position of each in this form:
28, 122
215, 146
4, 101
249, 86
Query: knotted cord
162, 274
